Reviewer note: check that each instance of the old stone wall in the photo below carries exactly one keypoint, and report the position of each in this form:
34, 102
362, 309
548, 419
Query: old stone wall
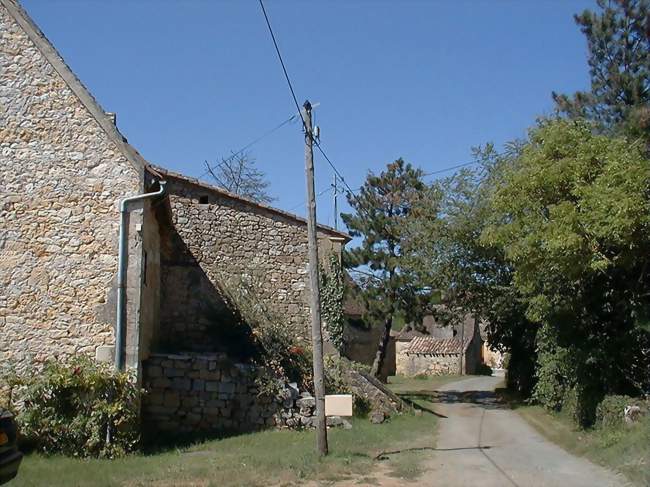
60, 180
410, 364
190, 393
219, 245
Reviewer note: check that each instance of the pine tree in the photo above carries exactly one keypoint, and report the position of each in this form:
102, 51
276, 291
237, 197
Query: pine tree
618, 39
381, 208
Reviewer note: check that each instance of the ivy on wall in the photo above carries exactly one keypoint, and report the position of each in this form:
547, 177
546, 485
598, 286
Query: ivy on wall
332, 289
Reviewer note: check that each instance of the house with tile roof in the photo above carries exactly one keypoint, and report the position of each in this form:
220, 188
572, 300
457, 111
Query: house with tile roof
439, 349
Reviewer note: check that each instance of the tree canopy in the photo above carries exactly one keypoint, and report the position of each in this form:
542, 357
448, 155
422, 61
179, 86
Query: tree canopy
381, 208
618, 41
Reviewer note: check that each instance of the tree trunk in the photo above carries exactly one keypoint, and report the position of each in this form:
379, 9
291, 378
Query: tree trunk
383, 347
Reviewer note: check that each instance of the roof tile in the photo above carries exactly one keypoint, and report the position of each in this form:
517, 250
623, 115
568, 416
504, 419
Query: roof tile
435, 346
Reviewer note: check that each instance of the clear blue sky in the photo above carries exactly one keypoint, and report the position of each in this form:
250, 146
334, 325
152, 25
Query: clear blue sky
423, 80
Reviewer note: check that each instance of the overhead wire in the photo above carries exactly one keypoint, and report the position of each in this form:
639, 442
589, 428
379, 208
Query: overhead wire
326, 190
284, 68
316, 141
250, 144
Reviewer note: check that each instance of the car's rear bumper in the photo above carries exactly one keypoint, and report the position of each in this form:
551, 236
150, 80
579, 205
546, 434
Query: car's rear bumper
9, 463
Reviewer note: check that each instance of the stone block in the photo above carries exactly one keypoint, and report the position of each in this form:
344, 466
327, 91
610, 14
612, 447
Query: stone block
212, 386
171, 399
105, 353
198, 385
155, 398
161, 383
306, 402
175, 372
227, 387
181, 384
154, 371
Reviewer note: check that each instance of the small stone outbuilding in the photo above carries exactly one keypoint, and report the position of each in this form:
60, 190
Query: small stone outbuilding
441, 351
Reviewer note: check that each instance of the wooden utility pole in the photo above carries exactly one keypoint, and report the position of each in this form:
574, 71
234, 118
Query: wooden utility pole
336, 206
316, 330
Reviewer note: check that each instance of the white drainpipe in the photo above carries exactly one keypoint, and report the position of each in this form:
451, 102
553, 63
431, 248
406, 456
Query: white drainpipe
120, 327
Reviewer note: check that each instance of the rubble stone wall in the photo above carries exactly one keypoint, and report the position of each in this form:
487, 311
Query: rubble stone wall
220, 242
410, 364
60, 179
189, 393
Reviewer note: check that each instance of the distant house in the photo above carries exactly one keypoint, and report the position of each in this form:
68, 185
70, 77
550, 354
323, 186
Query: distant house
438, 349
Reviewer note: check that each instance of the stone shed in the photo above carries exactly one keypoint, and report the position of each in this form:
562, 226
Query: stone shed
64, 168
439, 353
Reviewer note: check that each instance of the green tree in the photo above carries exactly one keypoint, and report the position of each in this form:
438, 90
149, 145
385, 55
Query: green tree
618, 39
381, 208
572, 216
445, 251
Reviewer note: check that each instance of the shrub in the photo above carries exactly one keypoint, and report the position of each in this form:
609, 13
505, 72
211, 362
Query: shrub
336, 375
609, 413
484, 369
78, 408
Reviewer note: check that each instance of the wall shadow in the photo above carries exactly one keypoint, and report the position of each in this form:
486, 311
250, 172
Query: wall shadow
194, 314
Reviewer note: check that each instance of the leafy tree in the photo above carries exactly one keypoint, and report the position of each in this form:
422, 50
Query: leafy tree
444, 250
239, 175
618, 39
381, 209
572, 215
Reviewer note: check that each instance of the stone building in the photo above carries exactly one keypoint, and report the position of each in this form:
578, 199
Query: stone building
64, 168
438, 349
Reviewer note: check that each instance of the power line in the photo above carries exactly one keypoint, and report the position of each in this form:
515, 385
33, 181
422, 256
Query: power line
329, 161
252, 143
284, 69
315, 141
451, 168
326, 190
440, 171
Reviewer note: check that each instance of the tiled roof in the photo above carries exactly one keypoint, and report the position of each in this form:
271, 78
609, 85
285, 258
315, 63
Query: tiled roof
435, 346
405, 335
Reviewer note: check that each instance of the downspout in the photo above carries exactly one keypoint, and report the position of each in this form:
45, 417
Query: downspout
120, 327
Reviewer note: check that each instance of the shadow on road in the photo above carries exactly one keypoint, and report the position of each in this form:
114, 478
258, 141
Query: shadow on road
483, 399
385, 454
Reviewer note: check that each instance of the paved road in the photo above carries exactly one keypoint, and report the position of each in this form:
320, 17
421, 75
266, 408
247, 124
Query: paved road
480, 443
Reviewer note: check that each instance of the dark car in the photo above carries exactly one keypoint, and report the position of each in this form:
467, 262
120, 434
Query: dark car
10, 457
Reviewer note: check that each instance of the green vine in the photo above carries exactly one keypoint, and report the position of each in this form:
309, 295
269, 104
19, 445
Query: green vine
332, 290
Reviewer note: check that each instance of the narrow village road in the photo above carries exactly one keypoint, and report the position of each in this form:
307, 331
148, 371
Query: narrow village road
480, 442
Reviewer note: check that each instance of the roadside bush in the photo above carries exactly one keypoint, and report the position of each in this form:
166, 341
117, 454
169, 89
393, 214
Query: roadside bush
484, 369
335, 375
610, 411
78, 408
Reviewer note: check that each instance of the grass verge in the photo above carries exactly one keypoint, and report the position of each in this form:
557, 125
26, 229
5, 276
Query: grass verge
264, 458
625, 449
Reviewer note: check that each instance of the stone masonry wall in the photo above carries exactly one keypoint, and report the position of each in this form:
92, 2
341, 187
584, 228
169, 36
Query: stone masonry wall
221, 241
410, 365
190, 393
60, 180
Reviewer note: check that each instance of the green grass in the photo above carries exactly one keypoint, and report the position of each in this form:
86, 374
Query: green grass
268, 457
625, 449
